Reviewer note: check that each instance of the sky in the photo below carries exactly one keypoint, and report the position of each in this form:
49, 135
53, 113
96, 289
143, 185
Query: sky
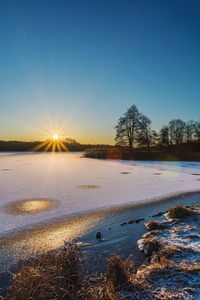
73, 67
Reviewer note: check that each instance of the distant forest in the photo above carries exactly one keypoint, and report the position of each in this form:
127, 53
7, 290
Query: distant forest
134, 130
70, 144
135, 139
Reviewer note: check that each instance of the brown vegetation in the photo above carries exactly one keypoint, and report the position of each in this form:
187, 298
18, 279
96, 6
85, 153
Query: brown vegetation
179, 212
58, 275
167, 273
49, 276
154, 225
151, 245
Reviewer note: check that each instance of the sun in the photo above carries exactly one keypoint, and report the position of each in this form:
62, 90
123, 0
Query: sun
55, 137
54, 143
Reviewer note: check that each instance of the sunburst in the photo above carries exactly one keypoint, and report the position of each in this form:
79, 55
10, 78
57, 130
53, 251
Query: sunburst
53, 144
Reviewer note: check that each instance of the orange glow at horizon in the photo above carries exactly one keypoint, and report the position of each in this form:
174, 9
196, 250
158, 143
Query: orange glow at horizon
53, 144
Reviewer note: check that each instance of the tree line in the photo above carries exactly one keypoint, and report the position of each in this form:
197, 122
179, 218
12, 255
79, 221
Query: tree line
134, 130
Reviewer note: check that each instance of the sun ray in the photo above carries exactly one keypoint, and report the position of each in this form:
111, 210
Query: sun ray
53, 147
59, 147
48, 146
55, 143
39, 146
63, 147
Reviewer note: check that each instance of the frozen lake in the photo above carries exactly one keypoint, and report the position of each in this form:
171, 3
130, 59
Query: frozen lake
76, 184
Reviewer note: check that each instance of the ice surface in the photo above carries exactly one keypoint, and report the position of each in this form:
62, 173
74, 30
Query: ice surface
58, 176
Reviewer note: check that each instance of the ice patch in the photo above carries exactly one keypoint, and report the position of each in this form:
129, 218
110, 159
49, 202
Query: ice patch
88, 187
30, 206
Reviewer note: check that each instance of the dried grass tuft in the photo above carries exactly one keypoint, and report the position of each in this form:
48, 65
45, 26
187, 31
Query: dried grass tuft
179, 212
155, 225
48, 276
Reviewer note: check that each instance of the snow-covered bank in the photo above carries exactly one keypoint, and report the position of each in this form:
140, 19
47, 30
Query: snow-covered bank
173, 247
171, 270
59, 176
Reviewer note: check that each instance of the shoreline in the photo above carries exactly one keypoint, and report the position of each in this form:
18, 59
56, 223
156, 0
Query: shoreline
46, 237
103, 211
114, 184
164, 266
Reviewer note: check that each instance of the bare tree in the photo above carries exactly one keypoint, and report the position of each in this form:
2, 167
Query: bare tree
134, 129
154, 138
176, 131
121, 137
127, 128
189, 130
145, 134
197, 130
70, 141
164, 136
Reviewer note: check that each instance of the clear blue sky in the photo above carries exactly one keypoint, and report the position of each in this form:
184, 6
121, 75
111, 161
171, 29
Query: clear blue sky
80, 64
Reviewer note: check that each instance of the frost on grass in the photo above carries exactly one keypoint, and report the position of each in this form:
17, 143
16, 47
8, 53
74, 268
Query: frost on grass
179, 212
155, 225
171, 270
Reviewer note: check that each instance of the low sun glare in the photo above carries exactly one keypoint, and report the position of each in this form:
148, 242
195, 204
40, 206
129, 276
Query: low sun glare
53, 144
55, 137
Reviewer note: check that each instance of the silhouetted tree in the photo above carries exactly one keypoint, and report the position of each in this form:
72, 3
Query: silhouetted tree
145, 134
155, 138
134, 128
197, 130
70, 141
127, 128
189, 131
176, 131
121, 137
164, 136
